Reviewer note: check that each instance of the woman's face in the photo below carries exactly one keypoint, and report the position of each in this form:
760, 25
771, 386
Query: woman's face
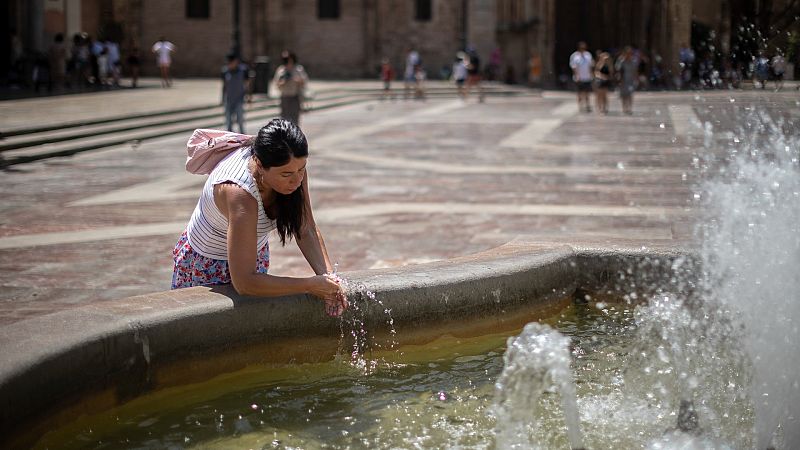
287, 178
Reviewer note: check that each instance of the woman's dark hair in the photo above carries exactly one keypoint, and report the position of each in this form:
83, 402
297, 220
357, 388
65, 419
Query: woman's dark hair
276, 143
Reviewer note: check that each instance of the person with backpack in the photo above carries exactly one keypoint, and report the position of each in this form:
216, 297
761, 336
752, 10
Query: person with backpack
256, 184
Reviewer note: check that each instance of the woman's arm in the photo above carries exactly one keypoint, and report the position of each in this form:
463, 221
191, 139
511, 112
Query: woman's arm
310, 242
241, 210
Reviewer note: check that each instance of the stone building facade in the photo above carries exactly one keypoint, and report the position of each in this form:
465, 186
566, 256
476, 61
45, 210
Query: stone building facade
333, 39
348, 38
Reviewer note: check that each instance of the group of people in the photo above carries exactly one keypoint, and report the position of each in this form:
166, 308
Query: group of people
602, 75
414, 76
766, 69
704, 72
290, 79
88, 62
85, 62
465, 73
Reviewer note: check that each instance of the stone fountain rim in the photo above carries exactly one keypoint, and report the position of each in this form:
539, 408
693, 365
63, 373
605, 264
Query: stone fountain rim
108, 336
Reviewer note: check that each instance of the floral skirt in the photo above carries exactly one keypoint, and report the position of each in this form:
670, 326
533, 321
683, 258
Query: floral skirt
194, 269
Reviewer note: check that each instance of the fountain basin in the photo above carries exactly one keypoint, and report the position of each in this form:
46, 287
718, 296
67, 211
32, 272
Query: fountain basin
94, 357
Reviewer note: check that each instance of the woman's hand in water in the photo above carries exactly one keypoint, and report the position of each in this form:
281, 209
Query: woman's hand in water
329, 289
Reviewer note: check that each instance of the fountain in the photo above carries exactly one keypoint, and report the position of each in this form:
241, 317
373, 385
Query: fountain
751, 254
534, 360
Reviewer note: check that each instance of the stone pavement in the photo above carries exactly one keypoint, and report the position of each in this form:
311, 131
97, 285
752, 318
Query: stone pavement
392, 183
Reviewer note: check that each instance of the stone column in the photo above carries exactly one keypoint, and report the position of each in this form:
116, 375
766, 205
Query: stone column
679, 30
481, 27
34, 35
129, 14
547, 42
371, 38
73, 13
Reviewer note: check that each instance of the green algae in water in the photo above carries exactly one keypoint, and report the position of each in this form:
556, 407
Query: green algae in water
436, 395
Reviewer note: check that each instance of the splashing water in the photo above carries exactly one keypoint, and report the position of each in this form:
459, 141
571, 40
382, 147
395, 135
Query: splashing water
721, 344
751, 257
733, 354
355, 324
534, 361
686, 356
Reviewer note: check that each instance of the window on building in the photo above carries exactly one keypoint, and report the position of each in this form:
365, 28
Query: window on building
423, 10
197, 9
328, 9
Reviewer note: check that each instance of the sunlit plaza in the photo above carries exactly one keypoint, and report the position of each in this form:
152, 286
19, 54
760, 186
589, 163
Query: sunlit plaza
522, 272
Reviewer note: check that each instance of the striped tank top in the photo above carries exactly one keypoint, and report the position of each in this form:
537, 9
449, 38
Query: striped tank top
207, 230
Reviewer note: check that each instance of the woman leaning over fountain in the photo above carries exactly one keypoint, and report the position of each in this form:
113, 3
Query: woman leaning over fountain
256, 184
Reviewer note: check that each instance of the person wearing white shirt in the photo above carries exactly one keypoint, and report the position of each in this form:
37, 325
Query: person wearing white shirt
114, 63
581, 63
460, 73
163, 50
409, 78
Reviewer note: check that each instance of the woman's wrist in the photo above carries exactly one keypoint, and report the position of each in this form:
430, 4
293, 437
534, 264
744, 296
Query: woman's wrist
308, 285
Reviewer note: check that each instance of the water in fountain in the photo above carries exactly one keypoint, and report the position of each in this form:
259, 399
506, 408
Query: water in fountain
534, 362
751, 257
353, 323
714, 360
685, 364
733, 355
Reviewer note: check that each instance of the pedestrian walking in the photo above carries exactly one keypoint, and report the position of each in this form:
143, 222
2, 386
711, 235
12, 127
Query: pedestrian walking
535, 70
164, 50
134, 63
95, 52
419, 82
291, 79
259, 185
778, 64
582, 64
80, 61
387, 75
409, 79
460, 73
102, 66
235, 87
473, 74
114, 61
761, 71
57, 56
627, 68
603, 78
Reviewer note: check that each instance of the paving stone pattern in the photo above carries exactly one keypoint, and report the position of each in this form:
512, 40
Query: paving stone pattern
393, 183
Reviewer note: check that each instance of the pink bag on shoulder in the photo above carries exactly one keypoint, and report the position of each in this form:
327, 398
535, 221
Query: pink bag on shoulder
206, 148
